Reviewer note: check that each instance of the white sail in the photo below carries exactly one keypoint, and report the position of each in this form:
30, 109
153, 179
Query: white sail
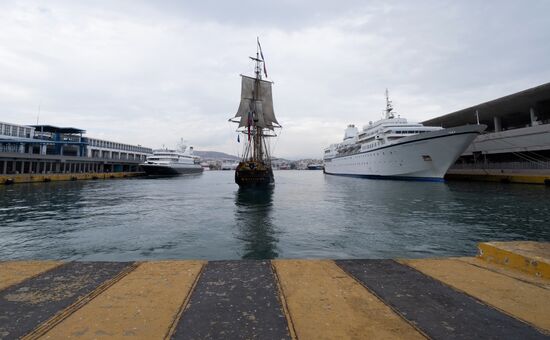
267, 98
262, 106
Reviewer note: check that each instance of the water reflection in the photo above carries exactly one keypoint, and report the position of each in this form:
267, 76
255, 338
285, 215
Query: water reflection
254, 224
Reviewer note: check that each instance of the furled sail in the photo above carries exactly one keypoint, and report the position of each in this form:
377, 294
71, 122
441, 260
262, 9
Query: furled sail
259, 104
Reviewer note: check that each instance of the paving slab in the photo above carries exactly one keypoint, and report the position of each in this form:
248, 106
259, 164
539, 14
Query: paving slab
438, 310
516, 274
142, 305
326, 303
520, 299
14, 272
24, 306
234, 300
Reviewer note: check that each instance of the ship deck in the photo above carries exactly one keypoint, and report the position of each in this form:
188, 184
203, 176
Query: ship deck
501, 293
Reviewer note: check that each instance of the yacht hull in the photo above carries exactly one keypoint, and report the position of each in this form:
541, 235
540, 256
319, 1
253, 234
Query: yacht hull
426, 156
166, 170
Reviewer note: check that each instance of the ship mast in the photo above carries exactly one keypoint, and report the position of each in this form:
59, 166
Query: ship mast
389, 106
257, 151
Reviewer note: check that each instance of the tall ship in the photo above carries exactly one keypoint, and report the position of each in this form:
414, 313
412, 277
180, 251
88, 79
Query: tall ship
396, 149
172, 162
256, 123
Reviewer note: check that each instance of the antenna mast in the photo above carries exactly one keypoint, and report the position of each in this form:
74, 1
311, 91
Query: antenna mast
389, 106
38, 115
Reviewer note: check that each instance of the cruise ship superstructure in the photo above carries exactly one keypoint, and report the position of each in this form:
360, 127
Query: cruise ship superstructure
167, 162
395, 148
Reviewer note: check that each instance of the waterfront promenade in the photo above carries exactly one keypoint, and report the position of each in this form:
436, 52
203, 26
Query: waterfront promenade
503, 293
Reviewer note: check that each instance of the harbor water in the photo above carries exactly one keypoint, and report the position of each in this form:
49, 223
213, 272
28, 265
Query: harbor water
305, 215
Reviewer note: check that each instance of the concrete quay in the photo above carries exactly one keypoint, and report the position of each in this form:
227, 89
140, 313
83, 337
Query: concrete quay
499, 175
502, 293
36, 178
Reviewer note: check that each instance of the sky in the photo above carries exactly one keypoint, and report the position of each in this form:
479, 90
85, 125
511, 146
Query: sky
153, 72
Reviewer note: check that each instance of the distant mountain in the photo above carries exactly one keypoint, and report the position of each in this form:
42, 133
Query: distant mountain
215, 155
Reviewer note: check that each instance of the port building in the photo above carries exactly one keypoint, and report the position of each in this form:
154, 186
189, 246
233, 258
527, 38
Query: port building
47, 149
516, 145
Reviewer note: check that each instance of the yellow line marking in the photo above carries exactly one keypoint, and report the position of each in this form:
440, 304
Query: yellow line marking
141, 305
33, 178
184, 304
14, 272
82, 301
284, 303
512, 178
528, 257
515, 274
518, 299
325, 303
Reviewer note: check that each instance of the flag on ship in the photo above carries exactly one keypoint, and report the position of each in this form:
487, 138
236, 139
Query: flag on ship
249, 123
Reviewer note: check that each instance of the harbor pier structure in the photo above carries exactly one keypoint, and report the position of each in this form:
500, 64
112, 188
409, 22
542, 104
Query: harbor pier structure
45, 152
502, 293
516, 145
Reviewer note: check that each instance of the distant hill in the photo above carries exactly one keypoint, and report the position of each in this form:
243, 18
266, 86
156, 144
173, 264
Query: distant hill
214, 155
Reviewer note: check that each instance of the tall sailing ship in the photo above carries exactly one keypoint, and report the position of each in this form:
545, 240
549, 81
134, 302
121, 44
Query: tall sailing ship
256, 122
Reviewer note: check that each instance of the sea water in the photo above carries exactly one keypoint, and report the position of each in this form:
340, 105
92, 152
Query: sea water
306, 214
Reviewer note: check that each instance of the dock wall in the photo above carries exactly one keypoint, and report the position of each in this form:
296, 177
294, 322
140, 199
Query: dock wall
526, 176
464, 298
34, 178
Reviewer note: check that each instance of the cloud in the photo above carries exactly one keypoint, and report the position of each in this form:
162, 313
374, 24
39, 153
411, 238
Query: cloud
152, 73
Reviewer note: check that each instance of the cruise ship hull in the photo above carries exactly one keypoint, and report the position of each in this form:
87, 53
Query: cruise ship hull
169, 170
425, 156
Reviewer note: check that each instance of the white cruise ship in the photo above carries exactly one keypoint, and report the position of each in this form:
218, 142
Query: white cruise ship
166, 162
394, 148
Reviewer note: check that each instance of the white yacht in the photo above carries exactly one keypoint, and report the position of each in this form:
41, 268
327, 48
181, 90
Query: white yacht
167, 162
394, 148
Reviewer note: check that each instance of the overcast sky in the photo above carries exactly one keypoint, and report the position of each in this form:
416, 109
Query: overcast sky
153, 72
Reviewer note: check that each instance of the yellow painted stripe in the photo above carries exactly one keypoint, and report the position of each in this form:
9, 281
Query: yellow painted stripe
14, 272
529, 257
516, 274
142, 305
325, 303
499, 178
31, 178
514, 297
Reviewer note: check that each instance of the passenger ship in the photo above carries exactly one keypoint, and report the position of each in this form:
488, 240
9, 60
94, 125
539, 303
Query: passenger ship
396, 149
166, 162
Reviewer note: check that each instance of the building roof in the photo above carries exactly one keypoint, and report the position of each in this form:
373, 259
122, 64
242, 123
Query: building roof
56, 129
520, 102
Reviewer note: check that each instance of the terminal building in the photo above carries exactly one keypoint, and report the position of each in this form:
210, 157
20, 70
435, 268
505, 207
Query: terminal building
46, 149
516, 145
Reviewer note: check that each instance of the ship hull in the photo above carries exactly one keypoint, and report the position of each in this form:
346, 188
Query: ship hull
257, 176
166, 170
425, 157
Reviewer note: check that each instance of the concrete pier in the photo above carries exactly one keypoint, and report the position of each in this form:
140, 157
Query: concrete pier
35, 178
499, 175
502, 293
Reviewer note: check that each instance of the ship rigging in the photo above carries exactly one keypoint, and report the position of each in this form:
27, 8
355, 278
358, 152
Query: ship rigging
256, 121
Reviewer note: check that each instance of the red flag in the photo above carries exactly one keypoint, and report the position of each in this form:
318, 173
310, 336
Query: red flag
249, 123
